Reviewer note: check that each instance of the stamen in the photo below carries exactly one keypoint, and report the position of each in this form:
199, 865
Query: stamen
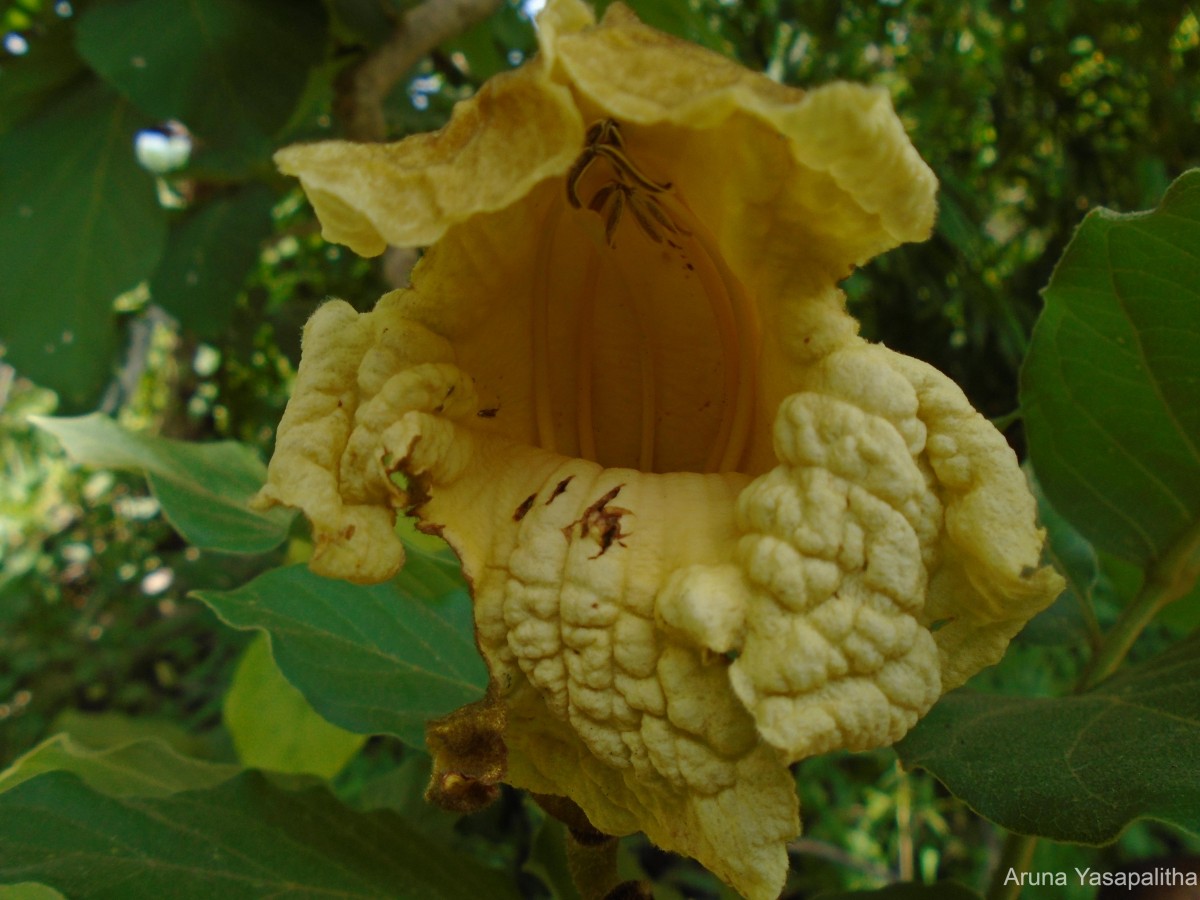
601, 197
575, 175
625, 166
614, 217
663, 219
635, 207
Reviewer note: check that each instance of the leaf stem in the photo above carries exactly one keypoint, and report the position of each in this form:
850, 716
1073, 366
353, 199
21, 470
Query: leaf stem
1016, 855
1166, 581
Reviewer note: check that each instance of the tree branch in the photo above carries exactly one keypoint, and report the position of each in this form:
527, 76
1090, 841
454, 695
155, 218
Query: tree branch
363, 88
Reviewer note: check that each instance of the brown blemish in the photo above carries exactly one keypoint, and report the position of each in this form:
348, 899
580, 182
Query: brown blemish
488, 413
559, 489
442, 406
524, 508
604, 520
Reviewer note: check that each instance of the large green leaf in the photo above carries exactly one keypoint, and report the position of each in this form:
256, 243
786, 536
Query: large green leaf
379, 659
244, 838
272, 725
231, 71
142, 768
79, 224
209, 254
1077, 768
204, 488
1110, 387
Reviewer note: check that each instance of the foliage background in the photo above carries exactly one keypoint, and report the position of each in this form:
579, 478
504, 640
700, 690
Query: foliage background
173, 299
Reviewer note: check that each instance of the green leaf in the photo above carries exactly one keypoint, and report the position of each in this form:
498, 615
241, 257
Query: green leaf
143, 768
363, 21
1071, 619
402, 790
274, 728
1183, 616
379, 659
1077, 768
107, 730
80, 223
1110, 385
243, 839
230, 71
27, 82
209, 254
943, 890
204, 489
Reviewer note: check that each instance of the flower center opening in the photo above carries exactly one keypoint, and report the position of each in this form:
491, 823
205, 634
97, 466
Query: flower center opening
645, 344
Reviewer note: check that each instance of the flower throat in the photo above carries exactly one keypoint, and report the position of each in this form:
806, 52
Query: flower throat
645, 346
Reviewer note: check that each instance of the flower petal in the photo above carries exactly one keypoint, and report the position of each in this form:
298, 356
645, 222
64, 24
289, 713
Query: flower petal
517, 130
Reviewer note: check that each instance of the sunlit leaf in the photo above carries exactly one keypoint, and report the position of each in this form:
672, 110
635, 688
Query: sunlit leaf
272, 725
1077, 768
28, 890
204, 488
377, 659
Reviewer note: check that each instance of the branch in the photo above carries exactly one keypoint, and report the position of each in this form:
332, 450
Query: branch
363, 88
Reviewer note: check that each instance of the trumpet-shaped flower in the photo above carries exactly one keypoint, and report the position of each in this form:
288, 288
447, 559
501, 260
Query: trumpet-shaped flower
709, 530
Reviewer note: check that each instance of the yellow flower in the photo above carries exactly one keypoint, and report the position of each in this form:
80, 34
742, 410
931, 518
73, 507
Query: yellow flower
709, 530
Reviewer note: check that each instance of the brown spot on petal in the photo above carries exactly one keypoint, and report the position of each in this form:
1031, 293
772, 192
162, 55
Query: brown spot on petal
604, 520
559, 489
524, 508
